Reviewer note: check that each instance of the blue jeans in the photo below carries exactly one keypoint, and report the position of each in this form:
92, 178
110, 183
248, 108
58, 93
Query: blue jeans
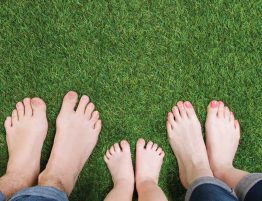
203, 189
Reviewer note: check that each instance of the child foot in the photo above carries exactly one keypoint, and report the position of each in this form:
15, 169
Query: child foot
149, 159
186, 140
26, 130
222, 137
119, 163
76, 136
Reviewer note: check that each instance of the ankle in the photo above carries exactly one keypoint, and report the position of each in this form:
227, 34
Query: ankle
221, 171
145, 185
125, 184
198, 172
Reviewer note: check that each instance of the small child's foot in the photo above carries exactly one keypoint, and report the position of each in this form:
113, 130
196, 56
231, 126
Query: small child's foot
76, 136
222, 137
149, 159
119, 163
186, 140
26, 130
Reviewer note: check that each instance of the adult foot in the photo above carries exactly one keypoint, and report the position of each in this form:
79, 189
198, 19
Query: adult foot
119, 163
186, 140
77, 133
26, 130
149, 159
222, 137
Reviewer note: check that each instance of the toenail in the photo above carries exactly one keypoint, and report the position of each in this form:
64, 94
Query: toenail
180, 103
188, 104
214, 104
71, 94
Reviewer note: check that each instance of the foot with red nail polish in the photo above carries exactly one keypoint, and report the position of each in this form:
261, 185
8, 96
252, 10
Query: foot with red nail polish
186, 140
222, 139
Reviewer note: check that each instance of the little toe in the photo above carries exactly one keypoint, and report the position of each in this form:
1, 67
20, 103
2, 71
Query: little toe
14, 117
38, 106
95, 116
154, 147
176, 113
8, 123
108, 154
117, 147
82, 104
140, 144
112, 150
28, 107
149, 145
106, 159
189, 110
182, 110
221, 109
170, 118
98, 126
231, 117
69, 102
226, 113
20, 110
212, 109
89, 110
125, 146
159, 150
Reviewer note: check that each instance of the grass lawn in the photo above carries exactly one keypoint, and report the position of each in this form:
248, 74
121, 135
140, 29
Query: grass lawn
135, 59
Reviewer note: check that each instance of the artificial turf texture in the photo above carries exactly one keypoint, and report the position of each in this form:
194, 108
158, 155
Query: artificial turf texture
134, 59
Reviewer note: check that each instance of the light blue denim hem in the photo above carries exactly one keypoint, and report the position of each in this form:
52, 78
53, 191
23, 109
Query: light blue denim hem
41, 191
2, 197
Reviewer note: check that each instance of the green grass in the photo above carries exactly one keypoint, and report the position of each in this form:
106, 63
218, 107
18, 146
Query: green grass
135, 59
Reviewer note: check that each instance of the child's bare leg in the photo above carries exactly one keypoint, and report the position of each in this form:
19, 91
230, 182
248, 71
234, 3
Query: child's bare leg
119, 163
26, 130
149, 160
223, 134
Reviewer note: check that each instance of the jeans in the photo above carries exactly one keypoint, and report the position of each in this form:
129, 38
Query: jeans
203, 189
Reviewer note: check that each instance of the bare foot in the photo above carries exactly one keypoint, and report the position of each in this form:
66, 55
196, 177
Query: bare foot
222, 139
26, 130
186, 140
119, 163
76, 136
149, 159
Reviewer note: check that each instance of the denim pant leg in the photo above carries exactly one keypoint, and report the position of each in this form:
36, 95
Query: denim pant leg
209, 189
2, 197
250, 188
40, 193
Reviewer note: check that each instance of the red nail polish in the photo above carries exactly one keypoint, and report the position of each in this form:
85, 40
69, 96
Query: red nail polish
188, 104
214, 104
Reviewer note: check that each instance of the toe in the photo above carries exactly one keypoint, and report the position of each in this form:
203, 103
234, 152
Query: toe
169, 129
28, 107
212, 109
14, 117
221, 109
176, 113
106, 159
140, 144
8, 123
189, 109
181, 109
82, 104
162, 154
154, 147
38, 106
89, 110
159, 150
125, 146
226, 113
69, 102
108, 155
95, 116
170, 118
20, 110
149, 145
112, 150
231, 117
117, 147
98, 126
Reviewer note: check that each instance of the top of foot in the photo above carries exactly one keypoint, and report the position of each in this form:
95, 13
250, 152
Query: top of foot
119, 163
76, 136
222, 135
149, 159
186, 140
26, 130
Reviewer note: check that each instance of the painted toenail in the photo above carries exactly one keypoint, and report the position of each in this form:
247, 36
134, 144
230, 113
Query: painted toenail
214, 104
180, 103
188, 104
71, 95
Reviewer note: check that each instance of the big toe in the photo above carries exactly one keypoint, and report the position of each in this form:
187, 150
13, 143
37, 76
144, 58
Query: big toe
38, 106
69, 102
212, 108
125, 146
140, 144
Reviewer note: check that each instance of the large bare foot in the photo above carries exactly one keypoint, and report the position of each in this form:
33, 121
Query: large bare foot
222, 139
186, 140
149, 159
26, 130
119, 163
76, 136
